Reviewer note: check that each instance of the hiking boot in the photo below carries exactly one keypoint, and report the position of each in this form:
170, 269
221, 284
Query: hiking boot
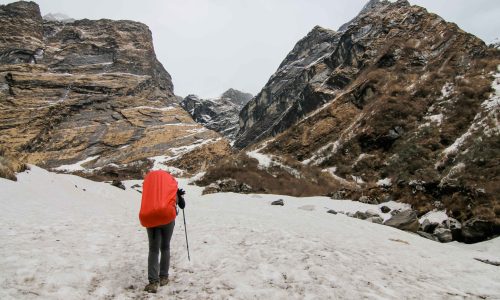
152, 287
163, 281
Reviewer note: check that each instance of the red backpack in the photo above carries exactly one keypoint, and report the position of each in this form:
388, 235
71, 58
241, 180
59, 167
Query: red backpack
159, 192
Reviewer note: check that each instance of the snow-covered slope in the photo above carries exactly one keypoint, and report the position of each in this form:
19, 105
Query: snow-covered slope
64, 237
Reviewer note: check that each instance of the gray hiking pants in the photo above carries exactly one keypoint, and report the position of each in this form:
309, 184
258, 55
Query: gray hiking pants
159, 241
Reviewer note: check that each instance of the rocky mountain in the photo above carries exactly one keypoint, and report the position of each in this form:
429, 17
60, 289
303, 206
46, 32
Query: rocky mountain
219, 114
290, 92
237, 97
397, 105
87, 96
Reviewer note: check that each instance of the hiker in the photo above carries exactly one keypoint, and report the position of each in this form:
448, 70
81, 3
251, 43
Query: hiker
160, 195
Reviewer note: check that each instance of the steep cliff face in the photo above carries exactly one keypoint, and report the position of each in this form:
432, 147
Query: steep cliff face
219, 114
306, 79
287, 96
400, 103
86, 95
103, 46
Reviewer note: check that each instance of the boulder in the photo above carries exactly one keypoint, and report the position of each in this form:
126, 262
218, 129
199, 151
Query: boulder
455, 226
371, 213
359, 215
427, 226
278, 202
395, 212
331, 211
341, 194
367, 200
427, 236
385, 209
476, 230
245, 188
210, 189
118, 184
228, 186
443, 234
406, 220
375, 219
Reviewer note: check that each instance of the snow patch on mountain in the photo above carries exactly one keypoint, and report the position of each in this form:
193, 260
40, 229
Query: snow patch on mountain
76, 166
263, 159
59, 17
434, 216
495, 43
485, 122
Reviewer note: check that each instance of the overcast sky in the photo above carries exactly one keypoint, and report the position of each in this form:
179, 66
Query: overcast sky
209, 46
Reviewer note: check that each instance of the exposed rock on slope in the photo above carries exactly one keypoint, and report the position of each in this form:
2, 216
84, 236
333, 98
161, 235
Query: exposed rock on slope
288, 95
219, 114
237, 97
311, 75
399, 102
495, 43
86, 94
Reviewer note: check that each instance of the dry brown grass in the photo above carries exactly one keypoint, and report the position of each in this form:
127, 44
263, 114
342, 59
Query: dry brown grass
496, 209
201, 158
134, 170
275, 180
10, 165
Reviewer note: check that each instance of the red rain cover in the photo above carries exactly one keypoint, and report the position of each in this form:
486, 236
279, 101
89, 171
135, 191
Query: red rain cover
159, 192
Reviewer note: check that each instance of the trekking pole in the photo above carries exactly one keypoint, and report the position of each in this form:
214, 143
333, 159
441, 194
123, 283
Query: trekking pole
185, 230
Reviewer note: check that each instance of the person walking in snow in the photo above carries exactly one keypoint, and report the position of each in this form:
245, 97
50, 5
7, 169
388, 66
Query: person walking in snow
160, 196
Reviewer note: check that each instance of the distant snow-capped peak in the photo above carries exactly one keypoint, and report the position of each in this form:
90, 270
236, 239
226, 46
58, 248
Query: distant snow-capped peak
59, 17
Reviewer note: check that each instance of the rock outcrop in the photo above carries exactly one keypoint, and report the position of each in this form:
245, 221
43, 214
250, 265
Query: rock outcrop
219, 114
86, 95
495, 43
237, 97
405, 220
397, 95
288, 95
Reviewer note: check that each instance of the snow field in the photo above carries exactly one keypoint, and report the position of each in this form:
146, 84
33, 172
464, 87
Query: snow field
61, 242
